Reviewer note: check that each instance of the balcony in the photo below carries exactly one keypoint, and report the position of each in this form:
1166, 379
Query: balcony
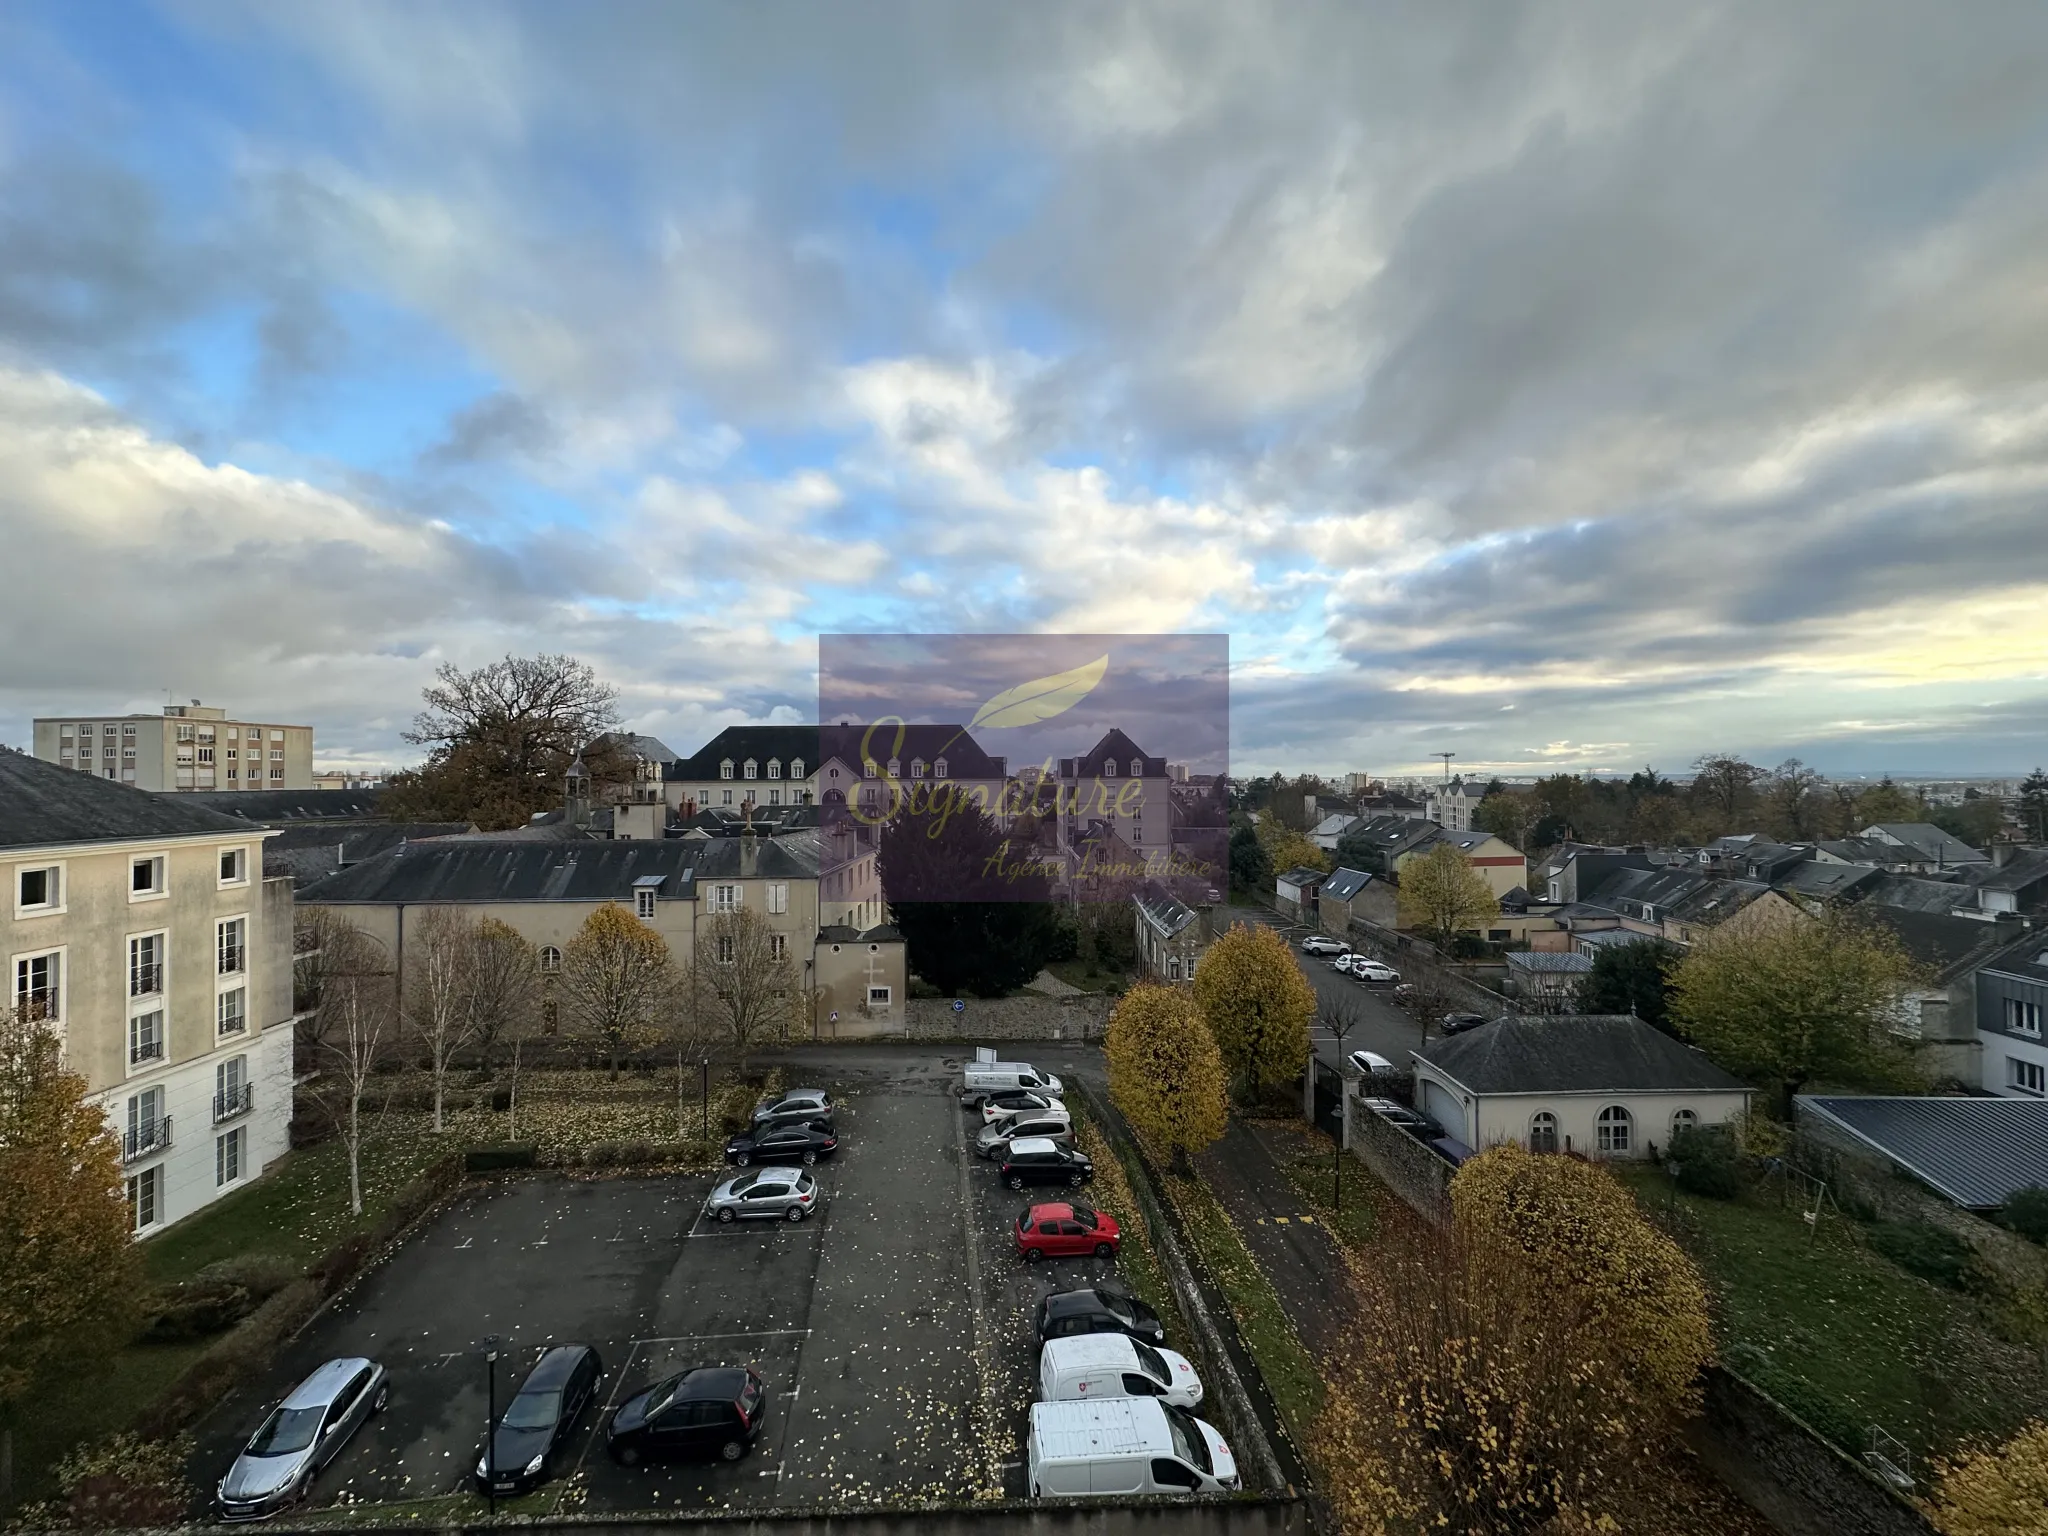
234, 959
145, 978
233, 1103
146, 1050
146, 1139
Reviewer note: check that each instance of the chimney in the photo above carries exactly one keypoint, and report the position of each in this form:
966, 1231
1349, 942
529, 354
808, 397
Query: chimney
750, 852
2001, 853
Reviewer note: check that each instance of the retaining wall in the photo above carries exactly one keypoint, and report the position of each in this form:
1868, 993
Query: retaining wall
1421, 962
1008, 1018
1403, 1164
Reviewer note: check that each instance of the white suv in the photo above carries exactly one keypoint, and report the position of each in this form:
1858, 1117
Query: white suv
1323, 944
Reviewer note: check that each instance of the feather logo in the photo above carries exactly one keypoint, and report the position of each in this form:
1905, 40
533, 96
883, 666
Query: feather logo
1041, 698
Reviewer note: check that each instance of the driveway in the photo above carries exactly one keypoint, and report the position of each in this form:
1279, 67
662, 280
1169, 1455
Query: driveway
1383, 1025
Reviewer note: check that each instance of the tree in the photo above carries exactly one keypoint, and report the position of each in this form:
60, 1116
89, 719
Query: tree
1793, 801
501, 739
438, 971
1724, 781
971, 901
1165, 1072
1257, 1005
2033, 806
69, 1271
1630, 978
1250, 868
617, 982
503, 991
746, 985
1507, 815
1995, 1492
358, 1018
1884, 801
1443, 895
1288, 849
1787, 1003
1977, 821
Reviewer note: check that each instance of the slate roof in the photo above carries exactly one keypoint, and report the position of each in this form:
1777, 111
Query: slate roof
845, 933
1820, 881
2027, 959
41, 803
312, 851
740, 742
1549, 962
1717, 900
460, 871
1164, 911
1868, 850
651, 749
1302, 875
1931, 842
1974, 1151
276, 807
2026, 867
1345, 884
791, 856
1912, 893
1115, 747
1574, 1053
1943, 944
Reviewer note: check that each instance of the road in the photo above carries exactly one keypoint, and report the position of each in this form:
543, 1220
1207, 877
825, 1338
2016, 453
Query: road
1383, 1025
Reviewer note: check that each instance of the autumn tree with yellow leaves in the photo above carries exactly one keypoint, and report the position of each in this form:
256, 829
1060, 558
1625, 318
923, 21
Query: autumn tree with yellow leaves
1257, 1005
1165, 1073
1996, 1491
617, 983
1443, 895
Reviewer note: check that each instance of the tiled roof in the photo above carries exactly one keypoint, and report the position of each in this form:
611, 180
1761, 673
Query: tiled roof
1574, 1053
1974, 1151
41, 803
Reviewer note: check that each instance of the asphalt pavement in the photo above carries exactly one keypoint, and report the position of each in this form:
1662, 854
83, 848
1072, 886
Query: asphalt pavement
1382, 1025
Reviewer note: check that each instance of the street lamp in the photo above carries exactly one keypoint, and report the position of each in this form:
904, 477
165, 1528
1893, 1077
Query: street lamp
491, 1425
705, 1066
1339, 1021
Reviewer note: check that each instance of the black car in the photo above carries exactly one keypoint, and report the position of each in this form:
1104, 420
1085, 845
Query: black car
1421, 1127
541, 1415
1066, 1314
711, 1411
1458, 1023
799, 1106
1039, 1160
780, 1144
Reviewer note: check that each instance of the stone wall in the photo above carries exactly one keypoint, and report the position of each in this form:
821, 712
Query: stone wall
1419, 961
1403, 1164
1025, 1017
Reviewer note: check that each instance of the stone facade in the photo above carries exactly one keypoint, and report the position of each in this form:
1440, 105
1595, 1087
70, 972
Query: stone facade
1008, 1018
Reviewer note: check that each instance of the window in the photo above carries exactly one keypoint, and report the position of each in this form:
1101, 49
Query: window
725, 898
775, 797
149, 1128
234, 733
2022, 1018
231, 1087
234, 866
550, 1016
774, 767
895, 767
277, 735
796, 768
550, 959
146, 965
206, 735
725, 769
230, 1011
233, 755
917, 767
146, 1038
227, 1157
1172, 1474
277, 773
643, 903
749, 770
39, 986
231, 946
1173, 967
778, 897
869, 770
1543, 1131
206, 756
878, 997
1137, 768
39, 891
146, 878
1612, 1129
186, 732
144, 1208
1684, 1120
1109, 768
2026, 1076
725, 949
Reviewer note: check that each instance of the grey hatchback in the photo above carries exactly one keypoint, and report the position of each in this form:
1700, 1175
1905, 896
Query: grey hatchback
789, 1194
303, 1434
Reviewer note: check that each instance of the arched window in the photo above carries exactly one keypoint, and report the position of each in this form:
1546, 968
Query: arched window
1684, 1120
774, 767
725, 769
1613, 1131
1109, 768
1543, 1132
917, 767
1137, 768
796, 768
939, 769
550, 958
751, 771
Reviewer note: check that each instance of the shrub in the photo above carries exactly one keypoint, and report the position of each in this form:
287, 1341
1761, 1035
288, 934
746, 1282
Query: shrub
195, 1310
2027, 1213
2001, 1492
122, 1482
511, 1154
1926, 1251
1705, 1162
262, 1275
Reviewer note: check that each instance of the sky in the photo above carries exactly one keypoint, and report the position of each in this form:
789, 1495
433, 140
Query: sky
1575, 385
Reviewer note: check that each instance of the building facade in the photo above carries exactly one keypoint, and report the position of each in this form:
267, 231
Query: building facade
188, 748
2012, 1006
145, 932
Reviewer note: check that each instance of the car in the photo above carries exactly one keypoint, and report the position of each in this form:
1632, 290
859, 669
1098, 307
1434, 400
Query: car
1096, 1309
995, 1139
1417, 1125
799, 1106
787, 1194
1366, 1063
1064, 1231
1094, 1365
1041, 1160
1458, 1023
1001, 1106
713, 1410
1342, 964
1405, 992
300, 1436
1323, 944
1377, 971
780, 1144
541, 1415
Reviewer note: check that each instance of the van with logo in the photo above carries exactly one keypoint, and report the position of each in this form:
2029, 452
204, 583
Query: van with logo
979, 1079
1095, 1365
1114, 1447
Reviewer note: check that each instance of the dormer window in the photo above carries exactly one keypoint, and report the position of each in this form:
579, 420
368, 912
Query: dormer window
725, 769
752, 770
1137, 768
939, 769
917, 767
869, 770
796, 768
1109, 768
895, 767
774, 767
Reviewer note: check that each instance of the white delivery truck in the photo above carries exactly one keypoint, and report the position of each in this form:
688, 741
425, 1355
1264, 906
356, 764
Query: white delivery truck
985, 1075
1119, 1446
1096, 1365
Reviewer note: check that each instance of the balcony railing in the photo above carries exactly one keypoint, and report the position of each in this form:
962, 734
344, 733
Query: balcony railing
145, 979
146, 1050
145, 1139
233, 959
235, 1101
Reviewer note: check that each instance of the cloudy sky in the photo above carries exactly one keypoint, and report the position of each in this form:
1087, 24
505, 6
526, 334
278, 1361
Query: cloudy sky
1552, 384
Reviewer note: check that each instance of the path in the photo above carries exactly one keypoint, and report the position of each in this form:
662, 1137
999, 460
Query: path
1298, 1254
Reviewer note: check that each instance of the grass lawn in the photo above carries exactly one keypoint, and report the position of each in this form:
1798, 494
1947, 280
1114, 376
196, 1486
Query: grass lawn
1078, 973
1842, 1336
1307, 1159
1111, 1192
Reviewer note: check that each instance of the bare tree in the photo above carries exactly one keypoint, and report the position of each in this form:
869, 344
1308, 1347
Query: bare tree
744, 980
439, 1013
358, 1019
503, 993
617, 983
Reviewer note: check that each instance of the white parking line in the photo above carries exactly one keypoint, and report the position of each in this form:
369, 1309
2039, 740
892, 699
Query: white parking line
983, 1365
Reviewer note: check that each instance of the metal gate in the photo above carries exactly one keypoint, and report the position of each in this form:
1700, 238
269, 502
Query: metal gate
1329, 1098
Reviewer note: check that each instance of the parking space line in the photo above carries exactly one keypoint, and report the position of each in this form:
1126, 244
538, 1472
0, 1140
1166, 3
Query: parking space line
983, 1365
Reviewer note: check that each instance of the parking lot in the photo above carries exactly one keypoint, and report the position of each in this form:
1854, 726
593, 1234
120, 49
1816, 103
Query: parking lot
893, 1329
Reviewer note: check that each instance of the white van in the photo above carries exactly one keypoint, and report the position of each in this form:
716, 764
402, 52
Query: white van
1119, 1446
978, 1079
1096, 1365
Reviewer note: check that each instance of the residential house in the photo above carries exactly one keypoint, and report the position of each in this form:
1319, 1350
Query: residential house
2016, 880
1352, 895
1379, 842
1573, 868
1547, 982
1296, 892
762, 765
1452, 805
1605, 1085
143, 928
1326, 832
1936, 850
1499, 863
1116, 788
187, 749
2010, 1005
1172, 935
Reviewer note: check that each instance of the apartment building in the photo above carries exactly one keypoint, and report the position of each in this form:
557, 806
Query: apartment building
143, 929
189, 747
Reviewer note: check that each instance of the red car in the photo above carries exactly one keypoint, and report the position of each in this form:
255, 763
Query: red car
1061, 1231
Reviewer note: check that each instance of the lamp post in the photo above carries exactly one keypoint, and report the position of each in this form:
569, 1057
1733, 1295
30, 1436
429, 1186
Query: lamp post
491, 1425
705, 1067
1338, 1021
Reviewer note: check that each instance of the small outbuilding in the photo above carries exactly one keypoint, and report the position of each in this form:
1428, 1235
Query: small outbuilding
1973, 1151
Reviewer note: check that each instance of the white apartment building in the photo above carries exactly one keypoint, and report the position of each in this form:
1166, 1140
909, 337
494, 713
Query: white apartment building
144, 931
188, 747
1451, 805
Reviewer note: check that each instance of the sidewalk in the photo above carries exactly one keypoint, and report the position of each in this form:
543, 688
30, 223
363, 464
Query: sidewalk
1291, 1245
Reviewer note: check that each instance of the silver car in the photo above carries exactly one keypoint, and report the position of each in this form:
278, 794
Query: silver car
303, 1433
787, 1194
995, 1139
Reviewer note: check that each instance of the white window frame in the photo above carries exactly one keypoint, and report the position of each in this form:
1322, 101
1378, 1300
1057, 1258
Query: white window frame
1614, 1130
1137, 768
160, 875
243, 861
725, 769
55, 869
230, 1157
1542, 1121
61, 954
774, 767
138, 1016
163, 968
221, 1031
1109, 768
778, 945
220, 930
550, 960
727, 898
796, 768
643, 904
1684, 1119
2028, 1077
778, 897
939, 769
148, 1179
881, 997
750, 769
2022, 1018
725, 949
917, 767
